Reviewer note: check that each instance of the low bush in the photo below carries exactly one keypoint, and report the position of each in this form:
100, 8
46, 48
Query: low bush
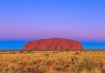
86, 64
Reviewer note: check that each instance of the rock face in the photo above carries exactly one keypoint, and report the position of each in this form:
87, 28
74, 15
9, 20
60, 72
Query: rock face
53, 44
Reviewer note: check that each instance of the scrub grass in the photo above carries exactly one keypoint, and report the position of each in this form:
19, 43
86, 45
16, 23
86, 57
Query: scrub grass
52, 61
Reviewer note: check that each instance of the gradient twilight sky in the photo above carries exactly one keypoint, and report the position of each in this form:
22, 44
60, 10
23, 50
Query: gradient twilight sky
26, 20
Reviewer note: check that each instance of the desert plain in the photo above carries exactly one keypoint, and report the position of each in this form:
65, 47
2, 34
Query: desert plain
91, 61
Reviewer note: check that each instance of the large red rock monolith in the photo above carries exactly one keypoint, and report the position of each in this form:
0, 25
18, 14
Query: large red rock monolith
53, 44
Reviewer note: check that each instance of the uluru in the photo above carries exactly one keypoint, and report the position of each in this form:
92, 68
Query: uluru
53, 44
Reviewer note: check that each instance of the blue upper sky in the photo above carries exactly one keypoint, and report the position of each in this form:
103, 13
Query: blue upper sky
26, 20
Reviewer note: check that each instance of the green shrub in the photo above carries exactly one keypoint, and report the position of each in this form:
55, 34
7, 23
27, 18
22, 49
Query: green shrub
46, 55
77, 53
86, 64
42, 69
74, 60
49, 63
59, 67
